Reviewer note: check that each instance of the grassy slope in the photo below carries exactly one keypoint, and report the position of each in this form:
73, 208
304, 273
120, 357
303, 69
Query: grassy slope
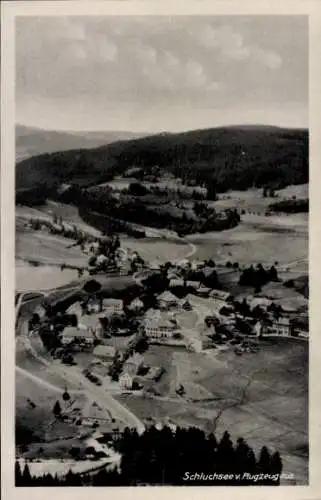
275, 409
202, 154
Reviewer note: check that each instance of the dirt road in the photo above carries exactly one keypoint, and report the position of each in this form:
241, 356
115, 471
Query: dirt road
90, 390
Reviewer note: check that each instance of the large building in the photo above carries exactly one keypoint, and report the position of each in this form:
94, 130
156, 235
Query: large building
282, 327
176, 282
126, 381
161, 327
113, 306
132, 364
136, 305
73, 334
167, 300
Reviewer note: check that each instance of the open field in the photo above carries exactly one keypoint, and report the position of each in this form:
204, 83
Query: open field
282, 238
45, 277
253, 201
155, 249
69, 214
146, 408
47, 248
34, 416
256, 240
262, 395
54, 450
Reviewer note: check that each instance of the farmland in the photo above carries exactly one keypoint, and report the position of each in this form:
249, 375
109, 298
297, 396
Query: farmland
258, 238
47, 248
155, 249
262, 396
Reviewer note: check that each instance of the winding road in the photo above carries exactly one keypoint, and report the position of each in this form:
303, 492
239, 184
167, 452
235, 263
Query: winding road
104, 398
92, 392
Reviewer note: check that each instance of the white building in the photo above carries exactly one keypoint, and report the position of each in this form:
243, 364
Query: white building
113, 306
176, 282
71, 334
220, 295
193, 284
203, 290
94, 305
160, 328
126, 381
282, 326
132, 364
136, 305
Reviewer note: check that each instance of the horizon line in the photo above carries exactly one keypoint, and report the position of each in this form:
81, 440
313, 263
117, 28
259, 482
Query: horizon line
230, 125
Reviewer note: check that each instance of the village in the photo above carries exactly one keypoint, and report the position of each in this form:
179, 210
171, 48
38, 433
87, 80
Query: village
176, 304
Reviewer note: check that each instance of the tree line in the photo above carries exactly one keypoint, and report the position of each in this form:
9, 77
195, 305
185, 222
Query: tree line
258, 277
162, 457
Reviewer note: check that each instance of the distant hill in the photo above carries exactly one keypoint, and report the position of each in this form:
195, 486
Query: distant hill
32, 141
224, 157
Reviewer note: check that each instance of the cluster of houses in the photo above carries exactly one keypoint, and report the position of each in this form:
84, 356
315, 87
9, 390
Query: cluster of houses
163, 323
91, 319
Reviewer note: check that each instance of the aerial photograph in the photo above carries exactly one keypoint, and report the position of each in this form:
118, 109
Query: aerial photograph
161, 250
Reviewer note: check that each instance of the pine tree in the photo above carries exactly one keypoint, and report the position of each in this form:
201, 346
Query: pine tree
225, 454
276, 463
17, 474
26, 476
264, 461
57, 409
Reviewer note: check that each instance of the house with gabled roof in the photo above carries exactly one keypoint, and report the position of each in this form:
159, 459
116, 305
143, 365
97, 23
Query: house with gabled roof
132, 364
164, 326
167, 300
73, 334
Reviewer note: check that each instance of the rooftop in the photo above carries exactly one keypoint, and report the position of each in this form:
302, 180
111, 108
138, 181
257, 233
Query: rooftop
220, 294
135, 359
112, 302
89, 320
162, 320
167, 297
72, 331
104, 350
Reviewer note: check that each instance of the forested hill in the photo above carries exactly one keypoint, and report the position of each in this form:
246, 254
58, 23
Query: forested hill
227, 157
32, 141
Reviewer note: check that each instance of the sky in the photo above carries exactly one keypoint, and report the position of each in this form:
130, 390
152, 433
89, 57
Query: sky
155, 74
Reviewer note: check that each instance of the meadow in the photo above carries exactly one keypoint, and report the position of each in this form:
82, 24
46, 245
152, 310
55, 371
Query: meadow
257, 239
47, 248
34, 416
262, 396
